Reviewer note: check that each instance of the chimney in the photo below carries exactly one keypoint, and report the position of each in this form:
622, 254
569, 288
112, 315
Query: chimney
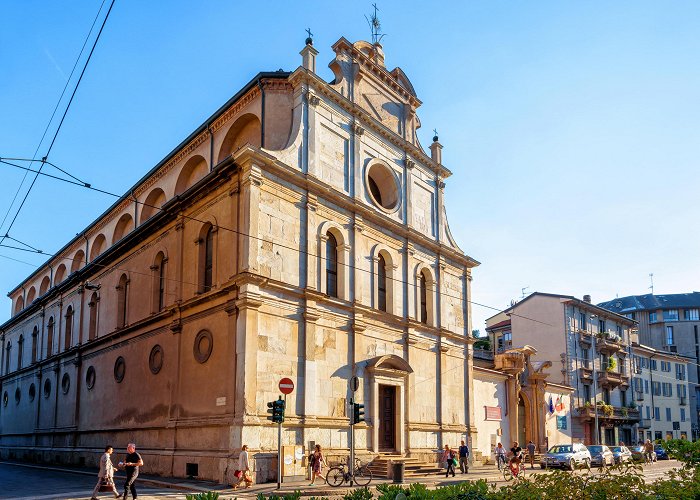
436, 150
308, 56
587, 298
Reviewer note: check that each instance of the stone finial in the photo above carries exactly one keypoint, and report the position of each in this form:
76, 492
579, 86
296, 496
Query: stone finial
436, 150
308, 54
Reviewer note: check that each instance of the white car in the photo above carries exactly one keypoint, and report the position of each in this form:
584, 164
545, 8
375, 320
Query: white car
569, 456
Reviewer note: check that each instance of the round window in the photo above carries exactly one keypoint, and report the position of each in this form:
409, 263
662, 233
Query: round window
119, 369
203, 345
65, 383
47, 388
90, 377
18, 395
155, 360
382, 186
32, 392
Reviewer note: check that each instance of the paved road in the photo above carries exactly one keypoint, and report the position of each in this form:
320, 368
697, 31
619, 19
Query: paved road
26, 482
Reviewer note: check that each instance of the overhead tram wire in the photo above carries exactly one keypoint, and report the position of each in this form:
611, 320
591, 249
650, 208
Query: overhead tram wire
239, 233
48, 125
60, 124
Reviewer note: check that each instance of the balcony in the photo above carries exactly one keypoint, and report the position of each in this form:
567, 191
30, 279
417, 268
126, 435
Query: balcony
608, 344
585, 373
612, 379
613, 414
585, 339
645, 423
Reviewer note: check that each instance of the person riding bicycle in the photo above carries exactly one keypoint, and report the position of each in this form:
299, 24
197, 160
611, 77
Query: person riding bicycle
648, 451
500, 452
515, 459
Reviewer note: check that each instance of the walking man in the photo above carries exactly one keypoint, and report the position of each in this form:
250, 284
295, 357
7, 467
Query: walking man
106, 473
464, 458
132, 462
531, 453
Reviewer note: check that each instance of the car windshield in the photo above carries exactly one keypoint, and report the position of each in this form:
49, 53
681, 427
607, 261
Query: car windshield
595, 449
640, 448
560, 449
659, 447
615, 449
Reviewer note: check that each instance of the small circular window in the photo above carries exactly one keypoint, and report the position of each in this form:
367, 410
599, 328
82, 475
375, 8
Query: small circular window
155, 360
382, 186
47, 388
32, 392
119, 369
203, 345
65, 383
90, 377
18, 396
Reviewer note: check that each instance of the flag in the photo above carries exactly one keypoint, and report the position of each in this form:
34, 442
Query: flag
560, 405
551, 405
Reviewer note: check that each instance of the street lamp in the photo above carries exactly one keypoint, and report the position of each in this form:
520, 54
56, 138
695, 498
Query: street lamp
595, 383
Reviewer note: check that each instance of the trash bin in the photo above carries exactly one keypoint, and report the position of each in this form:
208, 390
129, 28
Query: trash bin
398, 469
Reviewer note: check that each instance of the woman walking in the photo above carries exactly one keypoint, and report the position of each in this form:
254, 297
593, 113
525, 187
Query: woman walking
317, 461
448, 457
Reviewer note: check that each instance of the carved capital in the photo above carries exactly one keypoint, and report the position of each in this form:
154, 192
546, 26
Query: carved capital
410, 164
176, 326
357, 129
313, 99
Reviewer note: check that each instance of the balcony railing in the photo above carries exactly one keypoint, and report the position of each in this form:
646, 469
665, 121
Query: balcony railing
607, 345
585, 373
645, 423
612, 379
621, 413
485, 354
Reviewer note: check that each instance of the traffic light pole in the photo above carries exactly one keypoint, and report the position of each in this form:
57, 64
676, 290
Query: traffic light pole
351, 465
279, 455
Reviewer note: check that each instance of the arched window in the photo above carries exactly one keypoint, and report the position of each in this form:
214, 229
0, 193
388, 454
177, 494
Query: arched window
20, 345
159, 268
331, 265
122, 298
8, 348
35, 341
92, 326
381, 283
49, 337
206, 258
68, 332
423, 285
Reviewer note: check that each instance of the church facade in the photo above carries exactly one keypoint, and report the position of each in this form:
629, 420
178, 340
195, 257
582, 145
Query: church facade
299, 232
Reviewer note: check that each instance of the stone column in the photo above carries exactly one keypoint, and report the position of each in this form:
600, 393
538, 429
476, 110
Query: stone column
251, 180
246, 384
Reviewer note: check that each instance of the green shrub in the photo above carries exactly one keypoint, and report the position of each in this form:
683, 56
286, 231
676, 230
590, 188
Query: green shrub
289, 496
359, 494
209, 495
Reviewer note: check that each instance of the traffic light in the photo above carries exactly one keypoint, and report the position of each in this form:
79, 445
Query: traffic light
276, 410
358, 413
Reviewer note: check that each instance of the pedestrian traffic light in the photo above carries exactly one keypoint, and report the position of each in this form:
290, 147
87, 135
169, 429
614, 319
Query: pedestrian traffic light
358, 413
276, 410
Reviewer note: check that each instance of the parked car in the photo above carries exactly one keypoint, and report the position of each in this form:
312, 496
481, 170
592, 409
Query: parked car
638, 454
622, 454
569, 456
661, 453
601, 455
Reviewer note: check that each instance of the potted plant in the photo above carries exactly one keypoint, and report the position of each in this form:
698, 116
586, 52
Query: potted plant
612, 364
625, 412
608, 410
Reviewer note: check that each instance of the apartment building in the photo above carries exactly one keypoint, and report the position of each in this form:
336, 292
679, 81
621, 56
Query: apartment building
660, 387
669, 323
589, 350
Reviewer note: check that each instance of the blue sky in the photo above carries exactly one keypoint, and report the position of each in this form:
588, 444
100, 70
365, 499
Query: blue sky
571, 127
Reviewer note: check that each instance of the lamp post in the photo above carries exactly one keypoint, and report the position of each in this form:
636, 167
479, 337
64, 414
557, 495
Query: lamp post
595, 384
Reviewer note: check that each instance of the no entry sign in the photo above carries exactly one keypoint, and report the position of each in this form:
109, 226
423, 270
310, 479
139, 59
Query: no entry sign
286, 386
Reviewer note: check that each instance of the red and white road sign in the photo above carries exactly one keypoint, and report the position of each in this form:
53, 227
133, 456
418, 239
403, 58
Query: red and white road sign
286, 386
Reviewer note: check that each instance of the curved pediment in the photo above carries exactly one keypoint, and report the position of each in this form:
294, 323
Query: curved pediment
390, 362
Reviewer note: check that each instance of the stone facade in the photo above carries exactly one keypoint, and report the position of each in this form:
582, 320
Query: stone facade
300, 232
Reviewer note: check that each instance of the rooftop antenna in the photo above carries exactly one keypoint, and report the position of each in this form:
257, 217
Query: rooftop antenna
651, 277
375, 26
522, 291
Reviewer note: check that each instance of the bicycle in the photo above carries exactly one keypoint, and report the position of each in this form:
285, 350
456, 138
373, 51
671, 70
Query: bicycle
500, 462
509, 474
361, 475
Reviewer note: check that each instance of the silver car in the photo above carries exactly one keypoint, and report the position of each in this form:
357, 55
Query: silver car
601, 455
622, 454
568, 456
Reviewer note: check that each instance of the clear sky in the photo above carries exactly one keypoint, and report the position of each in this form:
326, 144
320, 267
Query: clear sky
572, 128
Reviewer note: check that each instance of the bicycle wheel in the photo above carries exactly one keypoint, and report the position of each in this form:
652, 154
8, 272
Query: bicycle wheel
363, 476
507, 474
335, 476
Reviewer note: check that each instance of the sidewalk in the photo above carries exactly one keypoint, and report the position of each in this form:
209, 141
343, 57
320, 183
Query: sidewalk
489, 473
